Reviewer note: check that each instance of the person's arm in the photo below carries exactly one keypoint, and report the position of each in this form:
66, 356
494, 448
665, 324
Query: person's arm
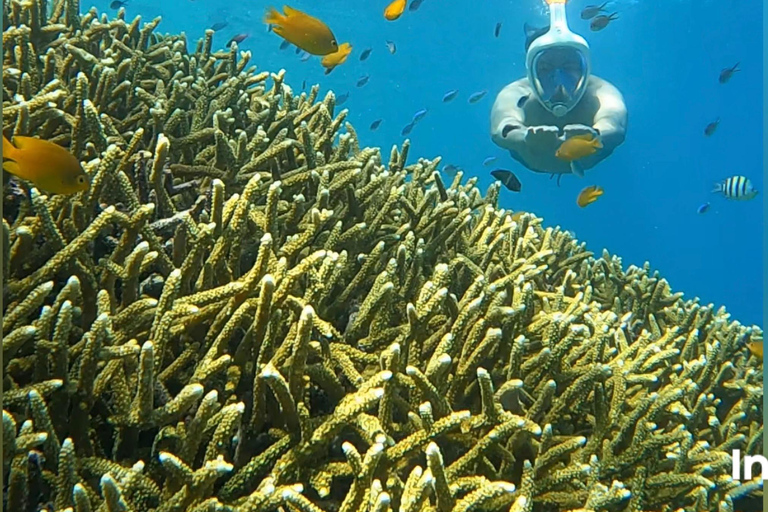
611, 118
507, 118
532, 146
609, 122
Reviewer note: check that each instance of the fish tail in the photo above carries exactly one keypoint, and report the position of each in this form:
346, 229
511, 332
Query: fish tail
8, 148
577, 169
273, 17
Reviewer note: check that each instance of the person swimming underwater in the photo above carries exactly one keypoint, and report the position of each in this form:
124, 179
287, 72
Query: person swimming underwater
557, 100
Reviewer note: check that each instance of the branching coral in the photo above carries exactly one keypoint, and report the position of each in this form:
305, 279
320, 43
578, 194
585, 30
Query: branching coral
248, 312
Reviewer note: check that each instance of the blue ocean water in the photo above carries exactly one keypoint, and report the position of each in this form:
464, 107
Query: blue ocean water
665, 57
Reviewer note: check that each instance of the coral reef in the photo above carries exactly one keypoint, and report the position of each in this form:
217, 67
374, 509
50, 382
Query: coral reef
248, 312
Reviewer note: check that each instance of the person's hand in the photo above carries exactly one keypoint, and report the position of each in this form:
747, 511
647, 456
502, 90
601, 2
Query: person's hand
542, 136
573, 130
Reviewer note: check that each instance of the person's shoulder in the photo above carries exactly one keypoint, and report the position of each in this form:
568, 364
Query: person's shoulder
521, 85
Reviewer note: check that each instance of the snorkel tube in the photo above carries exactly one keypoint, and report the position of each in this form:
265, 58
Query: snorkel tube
559, 36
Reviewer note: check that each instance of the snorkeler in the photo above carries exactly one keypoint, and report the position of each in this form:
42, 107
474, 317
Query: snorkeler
558, 100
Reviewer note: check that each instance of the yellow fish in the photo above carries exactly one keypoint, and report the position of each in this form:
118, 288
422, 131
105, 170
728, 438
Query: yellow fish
48, 166
308, 33
332, 60
518, 215
756, 348
395, 10
589, 195
578, 147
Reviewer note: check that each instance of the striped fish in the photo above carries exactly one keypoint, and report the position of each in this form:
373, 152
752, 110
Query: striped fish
736, 187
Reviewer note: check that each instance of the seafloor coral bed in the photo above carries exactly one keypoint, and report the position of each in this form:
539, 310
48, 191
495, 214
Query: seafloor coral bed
248, 312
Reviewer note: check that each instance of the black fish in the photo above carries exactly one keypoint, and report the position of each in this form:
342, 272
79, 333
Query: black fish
218, 26
727, 73
497, 30
363, 80
303, 85
375, 125
415, 5
366, 53
591, 11
602, 21
531, 33
407, 129
342, 98
521, 101
284, 45
118, 4
298, 50
508, 179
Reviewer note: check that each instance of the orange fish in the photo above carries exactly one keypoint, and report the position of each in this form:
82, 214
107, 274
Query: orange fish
589, 195
308, 33
332, 60
756, 348
518, 215
578, 147
395, 9
48, 166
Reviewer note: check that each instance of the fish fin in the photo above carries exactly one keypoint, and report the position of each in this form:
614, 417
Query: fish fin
717, 188
8, 148
598, 143
558, 179
577, 169
614, 16
290, 11
11, 167
583, 136
273, 17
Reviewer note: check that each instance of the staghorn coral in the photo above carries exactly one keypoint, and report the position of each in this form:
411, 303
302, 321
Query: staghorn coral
249, 312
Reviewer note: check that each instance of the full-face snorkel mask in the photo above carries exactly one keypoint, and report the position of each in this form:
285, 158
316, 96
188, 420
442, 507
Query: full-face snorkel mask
558, 64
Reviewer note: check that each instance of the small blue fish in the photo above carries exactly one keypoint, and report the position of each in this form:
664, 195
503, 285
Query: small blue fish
363, 80
418, 116
450, 95
284, 45
116, 4
407, 129
303, 85
391, 47
497, 30
342, 98
477, 96
305, 57
366, 53
375, 125
489, 160
415, 5
218, 26
703, 208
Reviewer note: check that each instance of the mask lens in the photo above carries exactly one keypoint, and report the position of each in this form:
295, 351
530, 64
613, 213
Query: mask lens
559, 74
